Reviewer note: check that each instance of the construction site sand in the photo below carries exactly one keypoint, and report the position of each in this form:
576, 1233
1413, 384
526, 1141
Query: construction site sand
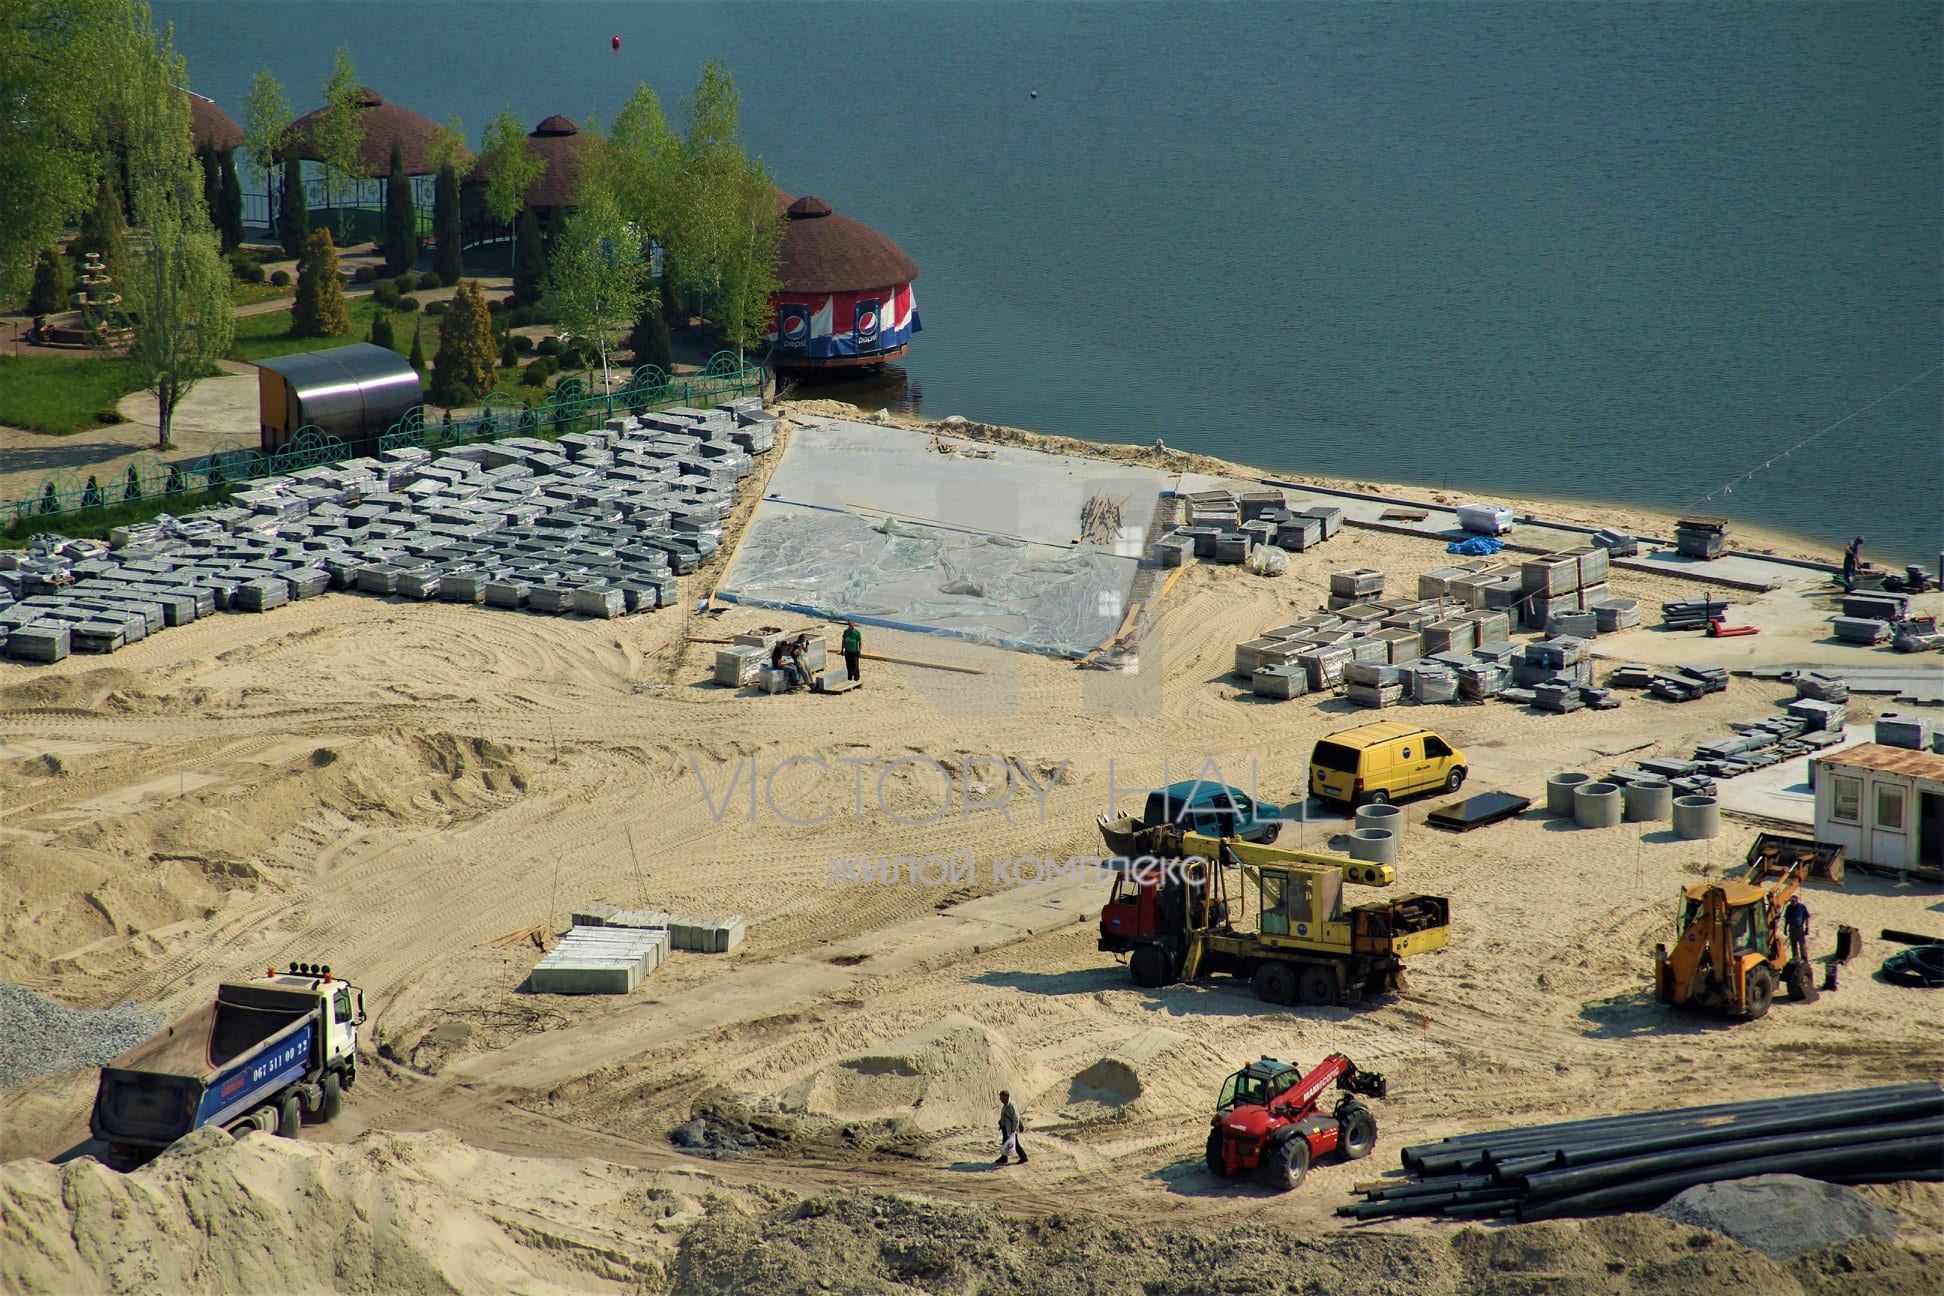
390, 787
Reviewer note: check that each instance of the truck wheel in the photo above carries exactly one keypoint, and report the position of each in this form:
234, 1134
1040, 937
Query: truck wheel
1800, 978
1318, 986
1217, 1166
289, 1116
1150, 967
1758, 992
1284, 1166
1356, 1131
1455, 779
1275, 984
1379, 797
333, 1102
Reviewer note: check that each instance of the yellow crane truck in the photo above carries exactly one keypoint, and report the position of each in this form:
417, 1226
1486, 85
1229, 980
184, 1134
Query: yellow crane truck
1283, 923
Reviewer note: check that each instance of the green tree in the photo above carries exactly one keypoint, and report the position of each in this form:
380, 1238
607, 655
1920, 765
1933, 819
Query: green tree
725, 240
649, 341
131, 486
212, 182
463, 370
105, 230
293, 211
529, 260
266, 120
319, 310
50, 292
183, 311
448, 228
511, 166
381, 330
640, 162
229, 214
62, 64
509, 355
401, 217
337, 135
750, 261
595, 284
417, 358
91, 496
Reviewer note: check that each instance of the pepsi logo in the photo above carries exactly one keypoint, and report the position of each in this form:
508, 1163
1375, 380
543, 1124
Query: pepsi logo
867, 322
794, 328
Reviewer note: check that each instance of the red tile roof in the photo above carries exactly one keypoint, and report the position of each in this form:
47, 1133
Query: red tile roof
383, 123
825, 252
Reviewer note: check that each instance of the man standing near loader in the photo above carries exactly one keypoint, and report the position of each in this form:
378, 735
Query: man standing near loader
1009, 1128
1795, 919
853, 647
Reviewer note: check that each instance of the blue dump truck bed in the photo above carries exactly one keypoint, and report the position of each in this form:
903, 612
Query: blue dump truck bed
209, 1068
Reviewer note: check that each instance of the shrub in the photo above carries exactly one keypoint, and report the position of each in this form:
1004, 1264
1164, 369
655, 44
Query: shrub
433, 307
549, 346
386, 294
50, 292
281, 278
381, 330
405, 283
522, 343
108, 416
537, 373
426, 279
509, 354
364, 274
495, 307
245, 267
406, 304
319, 310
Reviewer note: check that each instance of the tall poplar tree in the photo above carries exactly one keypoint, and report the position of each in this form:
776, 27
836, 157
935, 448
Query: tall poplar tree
401, 217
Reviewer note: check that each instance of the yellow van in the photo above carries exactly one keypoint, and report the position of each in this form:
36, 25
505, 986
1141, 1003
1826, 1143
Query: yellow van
1383, 762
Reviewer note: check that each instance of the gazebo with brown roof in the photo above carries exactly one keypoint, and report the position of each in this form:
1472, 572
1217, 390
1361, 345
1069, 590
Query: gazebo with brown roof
558, 142
846, 297
384, 124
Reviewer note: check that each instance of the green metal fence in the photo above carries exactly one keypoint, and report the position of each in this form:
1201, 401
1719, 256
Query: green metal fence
569, 407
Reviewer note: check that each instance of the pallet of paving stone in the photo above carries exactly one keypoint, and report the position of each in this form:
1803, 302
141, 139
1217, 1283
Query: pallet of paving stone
1557, 698
1430, 682
1580, 625
1361, 583
1861, 630
1375, 696
1297, 534
1482, 680
1371, 673
1324, 666
1280, 682
42, 641
1615, 614
1618, 544
1701, 537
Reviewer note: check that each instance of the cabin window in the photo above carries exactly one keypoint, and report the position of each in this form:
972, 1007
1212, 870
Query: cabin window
1436, 747
1846, 797
1890, 806
341, 1006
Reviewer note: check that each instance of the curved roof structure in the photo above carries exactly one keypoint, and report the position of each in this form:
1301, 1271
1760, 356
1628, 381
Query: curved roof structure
825, 252
558, 142
210, 127
383, 123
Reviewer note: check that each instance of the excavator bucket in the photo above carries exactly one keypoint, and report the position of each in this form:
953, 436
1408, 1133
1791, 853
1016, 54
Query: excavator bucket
1775, 854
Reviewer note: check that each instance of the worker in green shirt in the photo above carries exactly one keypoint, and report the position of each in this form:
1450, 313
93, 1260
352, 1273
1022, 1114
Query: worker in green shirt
853, 645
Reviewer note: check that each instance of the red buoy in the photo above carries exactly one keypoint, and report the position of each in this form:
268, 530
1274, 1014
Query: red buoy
617, 44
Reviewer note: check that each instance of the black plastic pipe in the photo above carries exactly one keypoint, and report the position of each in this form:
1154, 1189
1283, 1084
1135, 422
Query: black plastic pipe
1772, 1105
1556, 1183
1870, 1114
1442, 1184
1875, 1159
1408, 1206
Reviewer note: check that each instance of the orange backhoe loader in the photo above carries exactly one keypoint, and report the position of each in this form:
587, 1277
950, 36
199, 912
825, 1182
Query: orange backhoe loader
1732, 953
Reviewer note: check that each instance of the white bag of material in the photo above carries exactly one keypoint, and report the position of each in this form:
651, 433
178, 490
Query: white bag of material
1268, 560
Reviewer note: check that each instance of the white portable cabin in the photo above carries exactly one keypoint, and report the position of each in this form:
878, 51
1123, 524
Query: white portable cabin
1486, 519
1886, 804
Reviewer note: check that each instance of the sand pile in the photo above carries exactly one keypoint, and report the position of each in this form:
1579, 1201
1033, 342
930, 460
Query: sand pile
1153, 1070
1782, 1216
394, 1213
946, 1075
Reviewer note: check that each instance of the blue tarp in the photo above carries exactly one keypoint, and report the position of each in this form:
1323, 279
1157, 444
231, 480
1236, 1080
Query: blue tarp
1476, 547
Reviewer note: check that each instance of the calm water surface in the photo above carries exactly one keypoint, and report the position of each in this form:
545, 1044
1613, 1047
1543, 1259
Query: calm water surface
1613, 251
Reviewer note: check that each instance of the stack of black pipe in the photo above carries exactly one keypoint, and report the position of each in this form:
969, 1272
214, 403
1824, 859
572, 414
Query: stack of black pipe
1638, 1162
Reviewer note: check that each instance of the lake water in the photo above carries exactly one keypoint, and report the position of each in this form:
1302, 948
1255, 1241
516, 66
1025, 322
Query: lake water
1612, 251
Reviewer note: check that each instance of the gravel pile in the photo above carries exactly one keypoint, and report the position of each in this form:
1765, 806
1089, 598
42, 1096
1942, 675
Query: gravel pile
1782, 1216
39, 1037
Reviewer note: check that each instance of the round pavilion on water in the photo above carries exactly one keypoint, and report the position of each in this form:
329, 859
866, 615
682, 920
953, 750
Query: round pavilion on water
846, 298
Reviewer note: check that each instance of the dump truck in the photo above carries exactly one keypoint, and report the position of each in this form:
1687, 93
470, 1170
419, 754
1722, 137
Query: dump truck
1282, 922
1269, 1119
263, 1056
1733, 953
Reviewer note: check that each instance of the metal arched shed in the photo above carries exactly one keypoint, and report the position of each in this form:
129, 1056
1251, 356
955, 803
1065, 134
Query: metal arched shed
352, 392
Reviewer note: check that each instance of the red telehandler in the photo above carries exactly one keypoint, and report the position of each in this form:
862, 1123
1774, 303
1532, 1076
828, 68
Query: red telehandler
1269, 1119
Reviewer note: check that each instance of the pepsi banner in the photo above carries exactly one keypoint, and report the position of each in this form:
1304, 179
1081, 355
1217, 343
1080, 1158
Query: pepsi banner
792, 326
864, 332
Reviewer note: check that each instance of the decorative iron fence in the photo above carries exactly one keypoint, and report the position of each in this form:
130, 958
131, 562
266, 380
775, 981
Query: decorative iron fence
569, 407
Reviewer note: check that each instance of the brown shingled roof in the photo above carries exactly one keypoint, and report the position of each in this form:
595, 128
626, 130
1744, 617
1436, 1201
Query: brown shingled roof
825, 252
210, 126
383, 123
558, 142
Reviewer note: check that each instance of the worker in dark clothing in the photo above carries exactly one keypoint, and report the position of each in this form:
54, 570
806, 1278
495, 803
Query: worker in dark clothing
853, 647
787, 657
1795, 920
1009, 1127
1852, 559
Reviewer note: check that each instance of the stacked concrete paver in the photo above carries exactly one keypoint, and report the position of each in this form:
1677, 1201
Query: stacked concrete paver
596, 524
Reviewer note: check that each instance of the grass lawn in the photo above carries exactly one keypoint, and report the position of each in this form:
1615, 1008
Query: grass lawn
56, 395
259, 337
248, 294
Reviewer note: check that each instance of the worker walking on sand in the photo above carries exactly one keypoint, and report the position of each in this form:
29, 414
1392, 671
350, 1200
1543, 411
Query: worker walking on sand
853, 648
1795, 919
1009, 1128
1852, 559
